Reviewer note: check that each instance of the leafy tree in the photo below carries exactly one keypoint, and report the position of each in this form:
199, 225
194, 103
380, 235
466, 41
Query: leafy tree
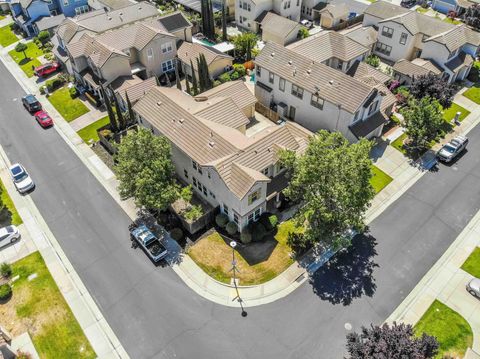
122, 123
433, 86
472, 16
373, 60
145, 170
131, 115
224, 21
244, 44
111, 115
332, 181
178, 65
43, 37
186, 193
194, 80
423, 122
303, 33
21, 47
187, 85
396, 342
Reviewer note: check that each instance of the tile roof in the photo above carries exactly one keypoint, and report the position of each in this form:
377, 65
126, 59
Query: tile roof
366, 36
336, 10
236, 90
325, 45
191, 51
278, 25
411, 68
384, 10
135, 90
49, 22
459, 61
93, 49
115, 4
224, 112
315, 77
456, 37
361, 70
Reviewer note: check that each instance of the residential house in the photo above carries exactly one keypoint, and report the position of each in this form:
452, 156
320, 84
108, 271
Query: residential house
189, 53
109, 5
405, 71
337, 10
137, 49
279, 29
132, 86
459, 6
26, 13
249, 14
406, 34
317, 96
48, 23
238, 173
366, 36
333, 14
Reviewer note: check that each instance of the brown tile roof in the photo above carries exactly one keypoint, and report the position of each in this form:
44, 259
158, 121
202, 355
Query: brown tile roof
236, 90
135, 89
224, 112
366, 36
416, 68
336, 10
384, 10
191, 51
96, 51
279, 25
333, 85
459, 61
457, 37
361, 70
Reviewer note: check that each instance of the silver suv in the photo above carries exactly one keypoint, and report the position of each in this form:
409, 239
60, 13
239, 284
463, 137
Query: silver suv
452, 149
473, 287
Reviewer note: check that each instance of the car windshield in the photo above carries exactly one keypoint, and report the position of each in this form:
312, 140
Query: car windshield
31, 99
10, 229
449, 149
18, 173
44, 117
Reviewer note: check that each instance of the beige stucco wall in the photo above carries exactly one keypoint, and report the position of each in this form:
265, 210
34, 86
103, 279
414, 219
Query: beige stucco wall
399, 51
268, 35
154, 65
114, 67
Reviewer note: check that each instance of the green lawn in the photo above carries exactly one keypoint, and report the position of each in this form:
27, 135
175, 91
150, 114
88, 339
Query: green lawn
9, 215
450, 113
472, 264
41, 308
7, 37
452, 21
90, 132
30, 61
398, 143
69, 108
379, 179
422, 10
473, 93
452, 331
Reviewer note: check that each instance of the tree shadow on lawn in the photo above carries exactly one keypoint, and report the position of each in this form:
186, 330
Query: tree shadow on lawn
5, 217
24, 61
349, 274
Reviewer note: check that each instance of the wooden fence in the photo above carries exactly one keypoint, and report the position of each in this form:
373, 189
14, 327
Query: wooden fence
267, 112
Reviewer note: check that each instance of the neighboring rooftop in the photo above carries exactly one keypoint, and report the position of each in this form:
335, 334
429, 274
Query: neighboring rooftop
417, 67
112, 4
278, 25
191, 51
236, 90
361, 70
366, 36
135, 87
49, 22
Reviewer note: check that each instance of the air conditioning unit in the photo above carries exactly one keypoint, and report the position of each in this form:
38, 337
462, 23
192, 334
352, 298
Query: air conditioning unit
282, 109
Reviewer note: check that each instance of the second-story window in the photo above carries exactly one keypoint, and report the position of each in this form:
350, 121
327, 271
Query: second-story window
150, 54
245, 5
373, 107
271, 77
339, 64
194, 165
317, 102
387, 31
281, 85
167, 66
403, 38
297, 91
254, 196
185, 173
167, 47
258, 71
225, 209
249, 8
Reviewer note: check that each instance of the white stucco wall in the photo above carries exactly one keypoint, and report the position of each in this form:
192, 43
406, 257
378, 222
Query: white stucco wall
399, 51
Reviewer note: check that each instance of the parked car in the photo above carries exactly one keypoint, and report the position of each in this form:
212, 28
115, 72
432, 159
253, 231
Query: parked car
408, 3
149, 242
21, 178
473, 287
47, 69
31, 103
452, 149
8, 234
306, 23
43, 119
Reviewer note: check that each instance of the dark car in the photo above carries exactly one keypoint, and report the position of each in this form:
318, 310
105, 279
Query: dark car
31, 103
47, 69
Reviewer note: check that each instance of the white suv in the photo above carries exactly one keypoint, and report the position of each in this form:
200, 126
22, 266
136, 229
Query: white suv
21, 178
8, 234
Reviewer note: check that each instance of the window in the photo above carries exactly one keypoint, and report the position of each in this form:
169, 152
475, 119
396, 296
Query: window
303, 9
212, 194
194, 180
258, 71
317, 102
194, 165
387, 31
245, 5
265, 171
339, 64
241, 20
205, 190
235, 218
225, 209
185, 173
255, 215
403, 38
208, 174
240, 4
384, 49
297, 91
167, 47
271, 77
298, 2
199, 185
249, 8
81, 9
252, 197
150, 54
281, 85
167, 66
373, 107
200, 170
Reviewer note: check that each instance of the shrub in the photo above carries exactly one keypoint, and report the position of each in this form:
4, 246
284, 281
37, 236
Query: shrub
23, 355
373, 60
269, 221
224, 78
240, 69
14, 27
221, 220
176, 234
245, 237
105, 133
216, 83
231, 228
193, 213
43, 36
54, 83
258, 231
273, 221
234, 76
5, 291
73, 92
42, 89
49, 56
6, 270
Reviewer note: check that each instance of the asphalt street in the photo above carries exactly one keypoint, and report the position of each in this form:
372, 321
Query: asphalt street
155, 315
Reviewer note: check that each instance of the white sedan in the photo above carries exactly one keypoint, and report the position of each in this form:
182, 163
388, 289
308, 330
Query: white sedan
22, 180
8, 234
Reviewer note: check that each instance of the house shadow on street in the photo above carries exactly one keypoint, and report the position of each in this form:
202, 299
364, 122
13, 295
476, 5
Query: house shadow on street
349, 274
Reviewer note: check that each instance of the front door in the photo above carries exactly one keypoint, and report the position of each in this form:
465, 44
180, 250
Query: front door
292, 113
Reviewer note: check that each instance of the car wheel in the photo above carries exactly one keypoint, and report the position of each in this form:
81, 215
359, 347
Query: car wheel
472, 292
13, 240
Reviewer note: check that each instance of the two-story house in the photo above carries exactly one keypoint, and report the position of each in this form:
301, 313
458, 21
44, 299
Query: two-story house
406, 35
249, 14
318, 96
227, 168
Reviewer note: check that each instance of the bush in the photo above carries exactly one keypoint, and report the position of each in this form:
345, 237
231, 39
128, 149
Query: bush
273, 221
193, 213
373, 60
6, 270
43, 36
224, 78
269, 221
234, 76
14, 27
73, 92
216, 83
105, 133
245, 237
42, 90
221, 220
23, 355
240, 69
258, 231
231, 228
54, 83
49, 56
5, 291
176, 234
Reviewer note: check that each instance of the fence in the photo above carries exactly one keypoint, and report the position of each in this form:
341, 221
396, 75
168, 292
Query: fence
348, 23
267, 112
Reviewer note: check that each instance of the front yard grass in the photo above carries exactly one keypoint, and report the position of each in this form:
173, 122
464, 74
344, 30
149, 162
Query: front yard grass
37, 306
28, 63
7, 37
9, 215
450, 113
379, 179
68, 107
398, 144
473, 93
452, 331
472, 264
271, 256
452, 21
90, 132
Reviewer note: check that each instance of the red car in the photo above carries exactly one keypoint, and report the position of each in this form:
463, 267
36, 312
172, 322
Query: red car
47, 69
43, 119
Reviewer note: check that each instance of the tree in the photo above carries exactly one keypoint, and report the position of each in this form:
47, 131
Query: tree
396, 342
332, 182
145, 170
194, 80
472, 16
208, 22
373, 60
111, 115
423, 122
21, 47
303, 33
433, 86
224, 21
201, 75
131, 115
122, 123
187, 85
244, 44
178, 67
43, 37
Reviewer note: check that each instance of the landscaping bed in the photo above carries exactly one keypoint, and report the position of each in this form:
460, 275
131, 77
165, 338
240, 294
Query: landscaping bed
89, 133
379, 179
472, 264
9, 214
452, 331
29, 60
70, 108
38, 307
257, 262
7, 36
473, 93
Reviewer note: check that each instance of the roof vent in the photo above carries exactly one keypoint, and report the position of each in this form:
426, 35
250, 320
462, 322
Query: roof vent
294, 71
330, 82
159, 103
181, 120
309, 71
121, 14
272, 54
211, 143
109, 18
290, 62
